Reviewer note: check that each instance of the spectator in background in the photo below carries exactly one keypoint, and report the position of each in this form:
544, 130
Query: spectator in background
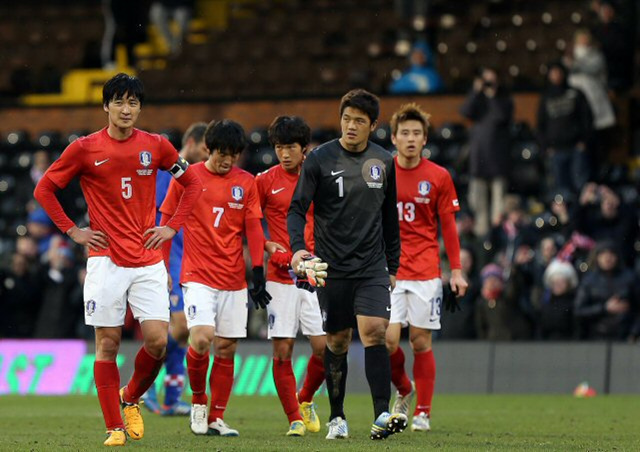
605, 303
564, 129
465, 223
490, 108
40, 227
617, 47
498, 315
588, 73
556, 318
511, 233
41, 162
125, 22
422, 76
461, 325
602, 216
19, 298
56, 320
180, 11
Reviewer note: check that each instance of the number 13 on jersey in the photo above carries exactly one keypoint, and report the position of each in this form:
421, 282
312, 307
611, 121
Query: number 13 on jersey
406, 211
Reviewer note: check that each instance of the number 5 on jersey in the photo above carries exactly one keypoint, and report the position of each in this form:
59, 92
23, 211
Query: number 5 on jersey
127, 188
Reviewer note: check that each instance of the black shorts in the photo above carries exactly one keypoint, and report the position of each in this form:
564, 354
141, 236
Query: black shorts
342, 299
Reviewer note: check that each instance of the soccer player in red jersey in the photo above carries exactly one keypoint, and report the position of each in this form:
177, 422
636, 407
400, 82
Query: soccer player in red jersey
426, 195
213, 270
293, 307
117, 167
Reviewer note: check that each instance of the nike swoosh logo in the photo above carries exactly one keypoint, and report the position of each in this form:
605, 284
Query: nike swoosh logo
100, 162
335, 173
389, 308
274, 192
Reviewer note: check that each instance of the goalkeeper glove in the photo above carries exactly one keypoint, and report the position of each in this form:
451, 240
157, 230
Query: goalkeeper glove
281, 259
314, 269
301, 282
451, 301
259, 293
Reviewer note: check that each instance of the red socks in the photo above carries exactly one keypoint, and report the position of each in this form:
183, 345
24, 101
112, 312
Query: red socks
286, 385
398, 375
313, 380
144, 374
107, 380
424, 373
220, 383
197, 366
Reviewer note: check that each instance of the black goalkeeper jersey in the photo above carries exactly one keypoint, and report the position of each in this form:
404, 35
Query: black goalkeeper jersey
356, 227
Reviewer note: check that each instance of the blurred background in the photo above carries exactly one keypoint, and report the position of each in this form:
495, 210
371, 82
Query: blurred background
542, 96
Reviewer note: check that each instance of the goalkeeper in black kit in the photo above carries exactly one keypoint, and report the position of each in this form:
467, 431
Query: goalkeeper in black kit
352, 185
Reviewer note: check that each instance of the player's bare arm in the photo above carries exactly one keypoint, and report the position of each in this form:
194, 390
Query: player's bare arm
159, 235
457, 282
95, 240
273, 247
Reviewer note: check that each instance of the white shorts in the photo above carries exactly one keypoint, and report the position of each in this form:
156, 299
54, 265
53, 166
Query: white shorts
292, 309
417, 303
225, 310
108, 287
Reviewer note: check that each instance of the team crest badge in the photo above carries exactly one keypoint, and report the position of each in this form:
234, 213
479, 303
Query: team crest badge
191, 312
90, 307
145, 158
237, 192
424, 188
375, 172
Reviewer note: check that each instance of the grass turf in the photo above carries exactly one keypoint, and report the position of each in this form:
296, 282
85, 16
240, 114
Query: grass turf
459, 422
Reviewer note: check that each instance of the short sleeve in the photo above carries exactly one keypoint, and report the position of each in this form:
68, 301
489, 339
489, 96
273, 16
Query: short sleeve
171, 201
253, 201
67, 166
448, 199
168, 154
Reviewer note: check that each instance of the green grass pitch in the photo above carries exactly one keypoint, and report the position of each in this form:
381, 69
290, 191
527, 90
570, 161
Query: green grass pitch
459, 422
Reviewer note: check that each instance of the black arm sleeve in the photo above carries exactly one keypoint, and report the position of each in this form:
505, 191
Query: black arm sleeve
390, 225
302, 197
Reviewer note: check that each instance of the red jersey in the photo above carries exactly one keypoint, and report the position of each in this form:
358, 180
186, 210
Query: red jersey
423, 192
118, 179
213, 253
275, 188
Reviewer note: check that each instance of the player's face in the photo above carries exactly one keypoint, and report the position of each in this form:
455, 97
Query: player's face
196, 152
409, 138
221, 162
290, 156
124, 111
356, 127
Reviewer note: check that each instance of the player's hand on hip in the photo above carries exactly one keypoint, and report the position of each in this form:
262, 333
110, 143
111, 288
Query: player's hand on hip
95, 240
259, 294
392, 279
311, 267
458, 284
273, 247
159, 235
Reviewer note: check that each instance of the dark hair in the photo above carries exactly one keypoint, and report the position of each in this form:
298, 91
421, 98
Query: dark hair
289, 130
362, 100
410, 112
195, 131
121, 84
226, 136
